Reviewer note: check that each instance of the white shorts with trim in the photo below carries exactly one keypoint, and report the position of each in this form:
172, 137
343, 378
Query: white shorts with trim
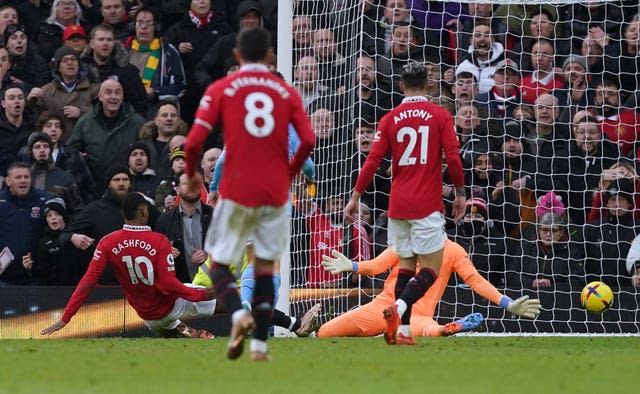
182, 309
233, 224
409, 237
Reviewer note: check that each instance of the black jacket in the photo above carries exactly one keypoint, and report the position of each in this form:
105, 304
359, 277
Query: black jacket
170, 224
12, 138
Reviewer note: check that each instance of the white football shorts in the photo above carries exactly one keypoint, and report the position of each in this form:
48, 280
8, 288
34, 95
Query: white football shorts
233, 224
409, 237
182, 309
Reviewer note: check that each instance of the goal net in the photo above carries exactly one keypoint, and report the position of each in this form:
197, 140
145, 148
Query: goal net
544, 99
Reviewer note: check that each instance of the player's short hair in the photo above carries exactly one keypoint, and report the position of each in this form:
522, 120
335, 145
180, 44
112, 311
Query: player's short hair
131, 203
253, 43
414, 75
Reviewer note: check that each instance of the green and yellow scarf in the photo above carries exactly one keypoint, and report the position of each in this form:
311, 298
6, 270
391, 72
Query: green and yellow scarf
152, 62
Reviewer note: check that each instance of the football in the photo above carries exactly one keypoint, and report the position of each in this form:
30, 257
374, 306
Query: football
596, 297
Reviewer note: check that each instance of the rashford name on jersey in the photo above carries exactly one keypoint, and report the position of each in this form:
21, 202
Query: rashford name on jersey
134, 243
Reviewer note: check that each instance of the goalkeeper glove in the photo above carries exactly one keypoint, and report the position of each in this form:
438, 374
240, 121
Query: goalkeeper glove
523, 306
339, 263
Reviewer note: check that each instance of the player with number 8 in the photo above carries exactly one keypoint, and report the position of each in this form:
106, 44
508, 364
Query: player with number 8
254, 109
416, 132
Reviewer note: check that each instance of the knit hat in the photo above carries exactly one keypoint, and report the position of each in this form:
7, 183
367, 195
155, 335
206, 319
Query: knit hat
56, 204
60, 53
575, 59
477, 205
138, 145
622, 188
12, 29
177, 152
550, 202
551, 219
37, 136
513, 130
247, 6
508, 63
115, 170
73, 30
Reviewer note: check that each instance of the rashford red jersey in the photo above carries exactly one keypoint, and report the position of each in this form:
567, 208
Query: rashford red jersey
144, 267
415, 132
254, 108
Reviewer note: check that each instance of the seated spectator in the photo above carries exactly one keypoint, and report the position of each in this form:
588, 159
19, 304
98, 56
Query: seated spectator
621, 56
405, 48
303, 37
484, 243
54, 265
504, 96
211, 67
470, 132
70, 93
620, 125
549, 261
608, 239
143, 178
75, 37
208, 163
543, 78
8, 16
484, 53
157, 133
579, 168
27, 66
622, 169
583, 16
63, 13
64, 157
193, 35
16, 124
21, 225
114, 14
482, 178
104, 133
165, 197
464, 83
306, 80
591, 50
376, 195
577, 93
543, 25
332, 66
186, 226
523, 113
107, 59
158, 62
49, 178
515, 163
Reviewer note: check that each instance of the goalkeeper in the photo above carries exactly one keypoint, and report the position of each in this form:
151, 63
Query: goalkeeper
365, 320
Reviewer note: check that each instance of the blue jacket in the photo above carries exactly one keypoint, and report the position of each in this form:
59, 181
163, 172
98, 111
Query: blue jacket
21, 226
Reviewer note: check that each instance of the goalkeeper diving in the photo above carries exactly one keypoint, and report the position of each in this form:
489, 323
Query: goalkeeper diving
366, 320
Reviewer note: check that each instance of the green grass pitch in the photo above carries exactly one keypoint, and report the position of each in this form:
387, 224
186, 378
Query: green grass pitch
467, 364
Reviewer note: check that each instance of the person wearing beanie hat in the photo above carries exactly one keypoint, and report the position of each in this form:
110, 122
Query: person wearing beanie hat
46, 176
576, 93
27, 65
143, 178
550, 202
70, 93
166, 193
609, 237
219, 58
58, 205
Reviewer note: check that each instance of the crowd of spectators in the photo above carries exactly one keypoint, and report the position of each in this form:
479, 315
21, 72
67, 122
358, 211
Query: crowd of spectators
97, 97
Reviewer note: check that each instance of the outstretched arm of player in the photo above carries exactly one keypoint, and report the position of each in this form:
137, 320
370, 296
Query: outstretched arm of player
340, 263
465, 269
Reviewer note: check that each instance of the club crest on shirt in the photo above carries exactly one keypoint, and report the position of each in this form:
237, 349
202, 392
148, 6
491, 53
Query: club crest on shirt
171, 265
36, 212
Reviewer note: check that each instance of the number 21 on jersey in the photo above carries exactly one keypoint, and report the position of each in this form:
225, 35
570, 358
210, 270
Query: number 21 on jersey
420, 137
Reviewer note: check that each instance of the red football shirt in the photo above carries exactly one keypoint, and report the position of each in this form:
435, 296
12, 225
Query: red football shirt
415, 132
144, 268
623, 129
254, 108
